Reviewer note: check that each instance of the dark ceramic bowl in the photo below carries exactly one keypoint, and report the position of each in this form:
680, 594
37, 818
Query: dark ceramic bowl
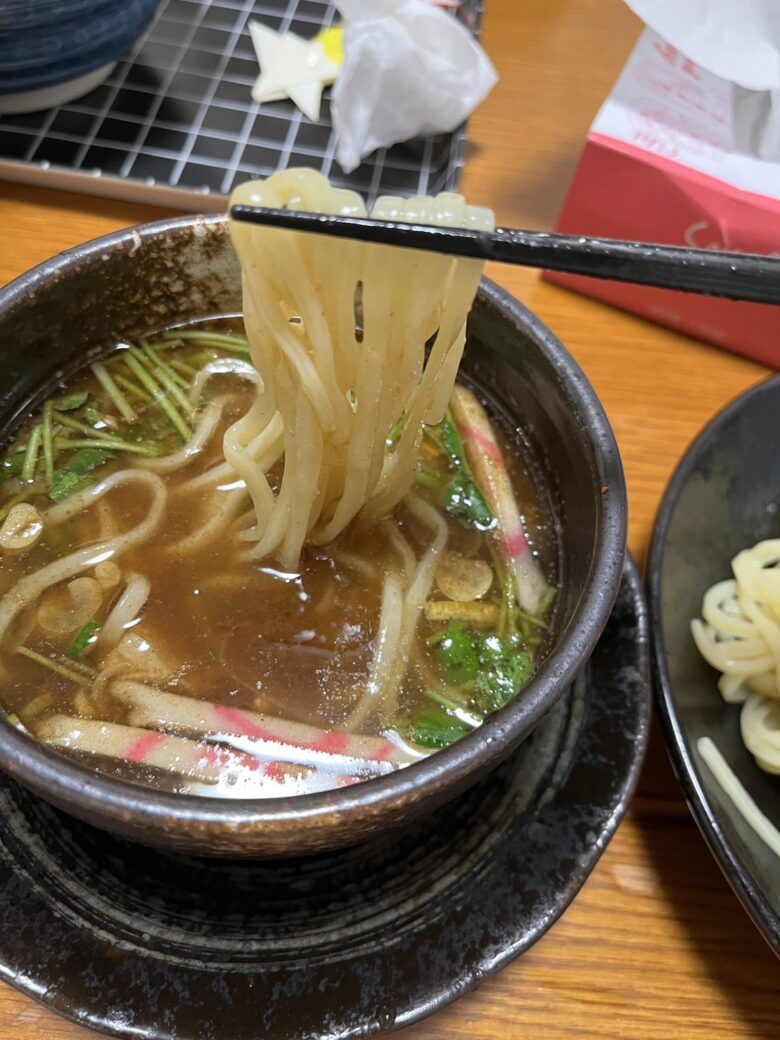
137, 281
724, 496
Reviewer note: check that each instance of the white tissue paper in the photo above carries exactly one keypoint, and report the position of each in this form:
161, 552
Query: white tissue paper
738, 41
409, 69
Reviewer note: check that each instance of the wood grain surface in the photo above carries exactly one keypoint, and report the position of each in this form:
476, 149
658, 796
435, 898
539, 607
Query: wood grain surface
656, 945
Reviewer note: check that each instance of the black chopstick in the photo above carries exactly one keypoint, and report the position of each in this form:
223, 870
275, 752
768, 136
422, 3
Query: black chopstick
734, 276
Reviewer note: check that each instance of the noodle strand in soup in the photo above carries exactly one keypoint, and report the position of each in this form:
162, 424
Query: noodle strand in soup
281, 563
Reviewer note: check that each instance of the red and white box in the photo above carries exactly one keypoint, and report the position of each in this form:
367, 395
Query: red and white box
678, 155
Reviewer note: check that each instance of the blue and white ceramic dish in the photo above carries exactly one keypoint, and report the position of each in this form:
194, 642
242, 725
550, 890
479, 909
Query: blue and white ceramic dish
52, 51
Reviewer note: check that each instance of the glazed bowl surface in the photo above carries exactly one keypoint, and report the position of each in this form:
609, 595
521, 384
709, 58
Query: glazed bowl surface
135, 282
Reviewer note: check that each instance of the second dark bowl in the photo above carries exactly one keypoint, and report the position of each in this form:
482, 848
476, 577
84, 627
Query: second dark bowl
137, 281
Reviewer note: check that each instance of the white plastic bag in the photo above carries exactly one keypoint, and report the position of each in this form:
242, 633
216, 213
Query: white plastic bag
409, 69
739, 42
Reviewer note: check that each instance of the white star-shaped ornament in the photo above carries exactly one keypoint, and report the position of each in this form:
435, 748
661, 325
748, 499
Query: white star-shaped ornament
291, 67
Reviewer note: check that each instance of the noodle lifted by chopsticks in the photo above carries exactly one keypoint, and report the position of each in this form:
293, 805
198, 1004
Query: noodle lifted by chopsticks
338, 333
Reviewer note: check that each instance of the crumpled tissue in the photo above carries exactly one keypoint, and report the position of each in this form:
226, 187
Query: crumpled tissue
410, 69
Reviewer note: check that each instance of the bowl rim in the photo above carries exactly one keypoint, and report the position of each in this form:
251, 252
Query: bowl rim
68, 782
680, 753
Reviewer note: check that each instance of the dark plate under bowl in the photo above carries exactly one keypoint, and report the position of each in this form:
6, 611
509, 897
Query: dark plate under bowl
145, 279
149, 945
724, 496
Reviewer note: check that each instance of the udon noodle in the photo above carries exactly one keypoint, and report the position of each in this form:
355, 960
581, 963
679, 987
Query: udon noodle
739, 634
338, 332
283, 562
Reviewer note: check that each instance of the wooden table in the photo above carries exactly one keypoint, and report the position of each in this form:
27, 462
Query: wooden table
656, 945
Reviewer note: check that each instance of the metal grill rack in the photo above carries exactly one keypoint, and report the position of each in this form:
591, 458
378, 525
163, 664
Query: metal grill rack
175, 122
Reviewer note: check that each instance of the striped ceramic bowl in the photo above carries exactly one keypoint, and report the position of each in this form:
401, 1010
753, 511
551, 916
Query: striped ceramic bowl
52, 51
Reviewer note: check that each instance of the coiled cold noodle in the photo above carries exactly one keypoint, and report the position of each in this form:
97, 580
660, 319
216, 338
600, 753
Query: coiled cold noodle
739, 634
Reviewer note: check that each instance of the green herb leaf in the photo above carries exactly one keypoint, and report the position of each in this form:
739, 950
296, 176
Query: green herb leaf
457, 655
87, 459
11, 466
492, 669
74, 476
435, 729
66, 484
463, 500
70, 402
447, 439
503, 672
92, 413
81, 638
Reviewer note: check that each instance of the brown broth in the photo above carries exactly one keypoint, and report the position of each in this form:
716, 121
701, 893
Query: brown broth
227, 629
